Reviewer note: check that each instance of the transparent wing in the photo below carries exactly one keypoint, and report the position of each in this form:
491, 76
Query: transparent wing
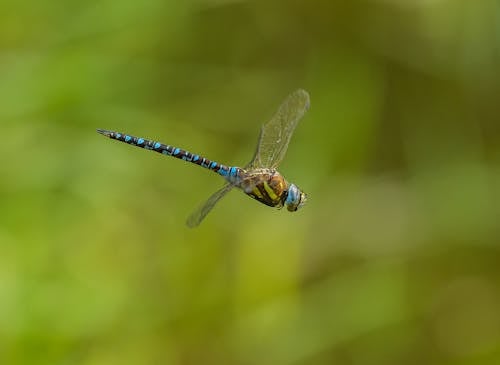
199, 214
276, 134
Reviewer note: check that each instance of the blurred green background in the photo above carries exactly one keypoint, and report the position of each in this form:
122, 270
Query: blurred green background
395, 258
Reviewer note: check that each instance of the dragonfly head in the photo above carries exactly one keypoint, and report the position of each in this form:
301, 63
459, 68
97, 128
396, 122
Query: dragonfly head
295, 198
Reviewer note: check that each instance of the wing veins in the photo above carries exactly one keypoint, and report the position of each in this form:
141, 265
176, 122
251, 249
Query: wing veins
275, 135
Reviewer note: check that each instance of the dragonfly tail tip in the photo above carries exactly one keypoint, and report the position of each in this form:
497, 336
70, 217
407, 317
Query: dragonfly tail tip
104, 132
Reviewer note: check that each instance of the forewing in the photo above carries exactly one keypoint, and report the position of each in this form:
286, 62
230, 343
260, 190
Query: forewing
199, 214
275, 135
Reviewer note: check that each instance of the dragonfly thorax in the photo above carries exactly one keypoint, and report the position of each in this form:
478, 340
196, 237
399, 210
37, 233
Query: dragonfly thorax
267, 186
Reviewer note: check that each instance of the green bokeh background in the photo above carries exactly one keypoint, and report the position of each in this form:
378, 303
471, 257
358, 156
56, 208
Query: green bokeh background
395, 258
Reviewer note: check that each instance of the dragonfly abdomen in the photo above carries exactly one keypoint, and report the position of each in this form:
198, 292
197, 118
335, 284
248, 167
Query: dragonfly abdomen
229, 172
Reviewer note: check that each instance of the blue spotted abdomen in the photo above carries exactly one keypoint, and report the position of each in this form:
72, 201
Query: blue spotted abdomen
230, 173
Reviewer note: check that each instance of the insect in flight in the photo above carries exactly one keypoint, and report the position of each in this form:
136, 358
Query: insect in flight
259, 179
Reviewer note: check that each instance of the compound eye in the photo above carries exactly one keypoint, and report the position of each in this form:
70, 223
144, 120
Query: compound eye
294, 198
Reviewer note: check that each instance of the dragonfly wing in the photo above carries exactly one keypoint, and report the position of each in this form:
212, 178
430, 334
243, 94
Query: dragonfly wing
275, 135
199, 214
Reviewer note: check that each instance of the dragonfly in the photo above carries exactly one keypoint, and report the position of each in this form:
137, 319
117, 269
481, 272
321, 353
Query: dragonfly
260, 178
